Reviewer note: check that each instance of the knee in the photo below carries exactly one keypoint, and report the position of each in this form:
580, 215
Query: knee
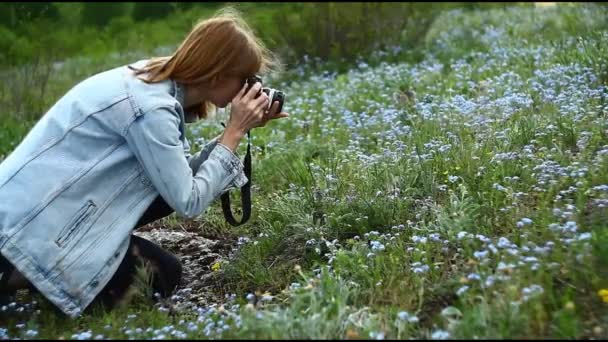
166, 267
167, 275
175, 272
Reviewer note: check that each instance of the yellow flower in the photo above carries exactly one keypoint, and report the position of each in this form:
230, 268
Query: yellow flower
215, 267
604, 294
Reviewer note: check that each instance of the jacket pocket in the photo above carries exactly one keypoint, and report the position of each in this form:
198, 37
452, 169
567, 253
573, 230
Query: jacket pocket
77, 222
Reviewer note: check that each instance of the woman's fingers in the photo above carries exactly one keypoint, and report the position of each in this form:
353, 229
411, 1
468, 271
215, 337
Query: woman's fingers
241, 92
261, 103
274, 113
273, 110
250, 95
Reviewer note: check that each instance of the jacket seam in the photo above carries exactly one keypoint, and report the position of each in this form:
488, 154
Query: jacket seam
100, 212
54, 142
43, 272
142, 113
19, 226
107, 232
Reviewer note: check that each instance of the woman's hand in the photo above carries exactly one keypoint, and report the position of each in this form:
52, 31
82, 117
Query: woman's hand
272, 114
246, 113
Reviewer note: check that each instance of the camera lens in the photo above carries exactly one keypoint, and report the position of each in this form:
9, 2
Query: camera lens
279, 96
274, 95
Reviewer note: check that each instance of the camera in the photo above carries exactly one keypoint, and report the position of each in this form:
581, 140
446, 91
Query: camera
273, 94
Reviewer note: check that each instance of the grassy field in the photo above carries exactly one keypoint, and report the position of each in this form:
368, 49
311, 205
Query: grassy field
465, 196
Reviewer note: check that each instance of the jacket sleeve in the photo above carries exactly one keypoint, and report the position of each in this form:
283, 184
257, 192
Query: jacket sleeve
199, 157
154, 138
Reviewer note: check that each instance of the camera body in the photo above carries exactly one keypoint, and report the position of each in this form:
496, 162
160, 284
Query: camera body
273, 94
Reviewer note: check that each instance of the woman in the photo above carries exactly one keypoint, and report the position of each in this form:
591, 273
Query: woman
112, 155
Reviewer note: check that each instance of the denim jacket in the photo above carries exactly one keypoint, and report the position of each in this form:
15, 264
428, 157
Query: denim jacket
74, 188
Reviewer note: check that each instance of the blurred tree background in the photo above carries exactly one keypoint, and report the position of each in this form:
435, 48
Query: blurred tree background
40, 41
329, 31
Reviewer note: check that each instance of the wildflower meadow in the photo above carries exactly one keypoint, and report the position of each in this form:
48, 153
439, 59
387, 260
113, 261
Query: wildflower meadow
460, 194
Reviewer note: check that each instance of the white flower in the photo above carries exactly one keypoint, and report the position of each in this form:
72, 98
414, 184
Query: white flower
530, 259
421, 269
440, 335
83, 336
584, 236
493, 249
499, 187
502, 266
462, 290
421, 239
489, 281
482, 238
512, 251
523, 222
570, 227
473, 276
403, 315
503, 242
377, 335
377, 246
480, 254
31, 333
531, 291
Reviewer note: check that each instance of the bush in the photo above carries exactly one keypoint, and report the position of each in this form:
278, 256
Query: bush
17, 14
152, 10
339, 31
100, 13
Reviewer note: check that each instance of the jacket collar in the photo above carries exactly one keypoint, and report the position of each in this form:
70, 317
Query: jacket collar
178, 92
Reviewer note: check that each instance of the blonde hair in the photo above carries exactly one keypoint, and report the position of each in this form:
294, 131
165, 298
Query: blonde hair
221, 45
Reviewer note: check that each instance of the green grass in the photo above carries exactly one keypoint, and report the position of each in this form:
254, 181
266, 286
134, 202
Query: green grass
474, 206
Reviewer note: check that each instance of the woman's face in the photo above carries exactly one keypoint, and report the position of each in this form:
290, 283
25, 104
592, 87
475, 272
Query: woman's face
219, 93
225, 90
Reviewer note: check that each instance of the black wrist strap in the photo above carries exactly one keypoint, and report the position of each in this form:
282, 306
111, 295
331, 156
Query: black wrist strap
245, 191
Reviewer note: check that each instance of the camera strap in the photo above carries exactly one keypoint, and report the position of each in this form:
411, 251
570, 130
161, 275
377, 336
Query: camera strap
245, 191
